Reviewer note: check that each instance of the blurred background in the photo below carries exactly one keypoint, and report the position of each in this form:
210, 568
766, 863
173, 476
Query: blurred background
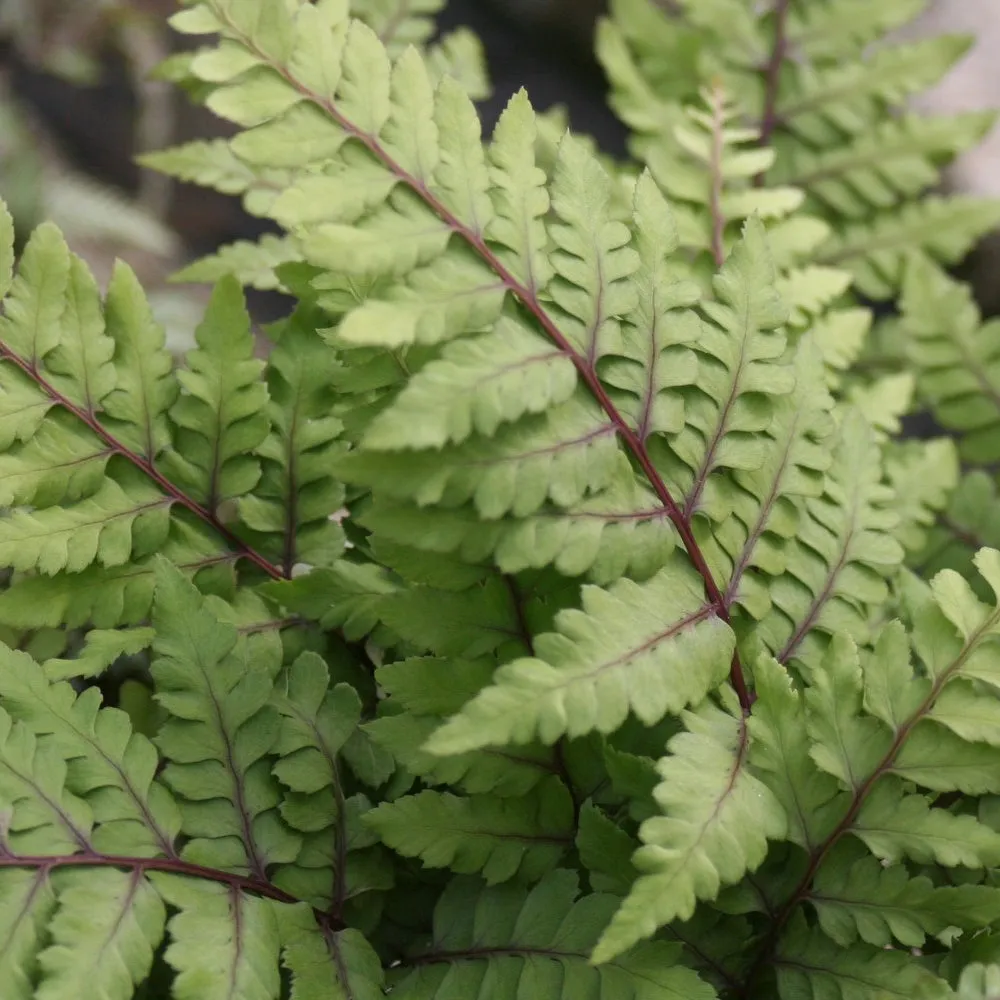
78, 102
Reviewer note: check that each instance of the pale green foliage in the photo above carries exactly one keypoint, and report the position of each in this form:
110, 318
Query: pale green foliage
544, 608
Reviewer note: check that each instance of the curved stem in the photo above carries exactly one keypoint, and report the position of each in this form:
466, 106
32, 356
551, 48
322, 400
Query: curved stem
174, 866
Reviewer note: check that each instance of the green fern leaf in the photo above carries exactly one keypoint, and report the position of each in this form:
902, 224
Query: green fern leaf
879, 169
111, 768
538, 941
503, 839
318, 959
220, 417
653, 357
28, 904
316, 723
223, 942
62, 462
780, 757
765, 503
716, 819
475, 386
809, 965
591, 255
23, 407
877, 251
104, 932
209, 163
623, 530
46, 817
32, 318
923, 476
737, 374
254, 265
956, 358
422, 693
119, 595
837, 30
100, 650
895, 825
835, 567
81, 360
519, 195
120, 521
563, 456
850, 95
219, 733
296, 496
650, 648
135, 411
855, 896
346, 596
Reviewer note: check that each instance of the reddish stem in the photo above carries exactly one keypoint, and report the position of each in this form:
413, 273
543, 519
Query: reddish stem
174, 866
142, 463
772, 79
529, 299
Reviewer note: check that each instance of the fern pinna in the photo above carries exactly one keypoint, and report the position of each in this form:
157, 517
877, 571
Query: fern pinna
534, 620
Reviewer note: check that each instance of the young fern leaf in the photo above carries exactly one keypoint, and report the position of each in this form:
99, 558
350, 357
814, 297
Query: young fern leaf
136, 410
320, 961
419, 701
844, 549
690, 853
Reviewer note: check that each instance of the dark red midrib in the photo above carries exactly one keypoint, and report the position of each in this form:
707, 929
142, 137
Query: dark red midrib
529, 301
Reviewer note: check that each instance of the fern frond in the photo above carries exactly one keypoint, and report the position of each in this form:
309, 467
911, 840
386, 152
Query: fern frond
615, 655
496, 935
254, 265
419, 702
811, 965
105, 929
297, 496
220, 730
857, 897
690, 853
844, 550
219, 417
877, 250
317, 959
222, 942
519, 838
956, 359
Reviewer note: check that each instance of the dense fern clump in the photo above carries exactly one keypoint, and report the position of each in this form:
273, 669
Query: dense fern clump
547, 609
